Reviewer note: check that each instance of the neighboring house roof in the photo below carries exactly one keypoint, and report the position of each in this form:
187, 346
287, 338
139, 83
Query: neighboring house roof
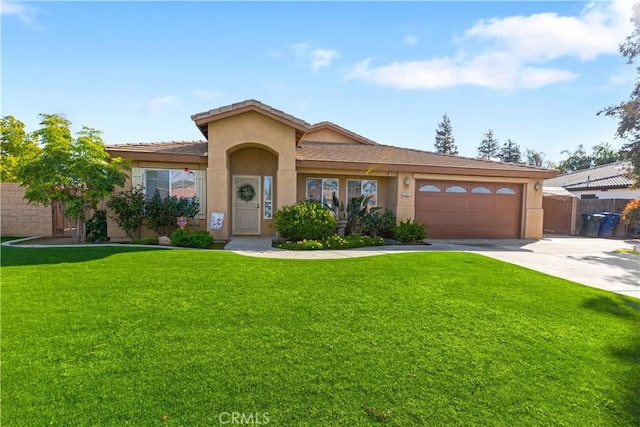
557, 191
613, 175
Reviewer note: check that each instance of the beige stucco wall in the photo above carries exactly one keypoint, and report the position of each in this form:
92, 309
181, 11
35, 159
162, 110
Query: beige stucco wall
532, 214
19, 218
113, 230
251, 130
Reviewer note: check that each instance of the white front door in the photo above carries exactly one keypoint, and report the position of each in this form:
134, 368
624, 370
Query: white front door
246, 204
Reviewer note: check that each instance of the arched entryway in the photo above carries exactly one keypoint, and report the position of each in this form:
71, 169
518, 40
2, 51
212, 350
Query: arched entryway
253, 169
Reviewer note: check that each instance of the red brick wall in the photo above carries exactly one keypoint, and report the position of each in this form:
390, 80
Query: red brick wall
19, 218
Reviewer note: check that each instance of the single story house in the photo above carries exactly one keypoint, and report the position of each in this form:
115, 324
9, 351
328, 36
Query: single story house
256, 159
601, 182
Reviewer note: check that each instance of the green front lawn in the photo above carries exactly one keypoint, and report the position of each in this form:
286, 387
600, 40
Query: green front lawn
135, 336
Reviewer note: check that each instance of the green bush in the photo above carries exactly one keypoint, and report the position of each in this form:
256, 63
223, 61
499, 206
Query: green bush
96, 228
162, 213
195, 239
410, 231
307, 220
376, 224
334, 242
128, 210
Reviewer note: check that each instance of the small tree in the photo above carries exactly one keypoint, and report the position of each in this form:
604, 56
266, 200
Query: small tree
445, 142
489, 147
603, 154
77, 171
128, 210
17, 148
510, 152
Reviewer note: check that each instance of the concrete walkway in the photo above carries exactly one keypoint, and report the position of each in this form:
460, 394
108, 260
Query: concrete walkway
588, 261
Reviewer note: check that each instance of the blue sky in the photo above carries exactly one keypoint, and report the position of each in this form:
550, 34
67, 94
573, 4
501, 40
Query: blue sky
535, 72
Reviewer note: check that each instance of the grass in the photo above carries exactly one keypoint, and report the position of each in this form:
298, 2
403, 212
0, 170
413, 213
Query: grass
116, 336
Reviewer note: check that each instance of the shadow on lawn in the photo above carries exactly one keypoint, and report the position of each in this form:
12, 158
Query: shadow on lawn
628, 309
18, 256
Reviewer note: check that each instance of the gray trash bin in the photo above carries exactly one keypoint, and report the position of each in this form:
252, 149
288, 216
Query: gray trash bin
591, 224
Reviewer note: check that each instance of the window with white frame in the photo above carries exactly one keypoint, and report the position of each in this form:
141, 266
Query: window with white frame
170, 182
357, 187
322, 189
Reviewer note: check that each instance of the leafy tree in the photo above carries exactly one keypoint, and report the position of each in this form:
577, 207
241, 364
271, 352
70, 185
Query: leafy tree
603, 154
489, 147
535, 158
628, 112
445, 142
510, 152
577, 160
76, 171
128, 209
17, 148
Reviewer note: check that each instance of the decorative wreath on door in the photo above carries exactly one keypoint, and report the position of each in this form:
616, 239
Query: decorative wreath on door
246, 192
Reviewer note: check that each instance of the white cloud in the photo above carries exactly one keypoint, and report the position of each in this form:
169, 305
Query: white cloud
410, 40
316, 58
25, 13
321, 58
207, 94
160, 103
511, 53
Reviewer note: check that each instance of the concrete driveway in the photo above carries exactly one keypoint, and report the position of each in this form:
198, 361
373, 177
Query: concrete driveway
589, 261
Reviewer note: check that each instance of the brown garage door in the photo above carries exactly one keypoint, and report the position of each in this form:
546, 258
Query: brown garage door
455, 209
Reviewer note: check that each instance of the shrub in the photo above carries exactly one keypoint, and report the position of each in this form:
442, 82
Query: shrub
376, 224
410, 231
162, 213
357, 208
305, 220
195, 239
334, 242
96, 228
631, 214
128, 210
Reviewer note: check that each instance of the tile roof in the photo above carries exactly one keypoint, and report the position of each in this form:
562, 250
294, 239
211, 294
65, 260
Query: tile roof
386, 154
613, 175
250, 104
340, 129
198, 148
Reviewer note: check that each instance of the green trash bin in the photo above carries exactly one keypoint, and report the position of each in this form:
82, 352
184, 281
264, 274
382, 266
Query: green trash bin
591, 224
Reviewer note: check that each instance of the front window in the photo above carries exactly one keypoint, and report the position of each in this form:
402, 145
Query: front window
356, 188
322, 189
170, 182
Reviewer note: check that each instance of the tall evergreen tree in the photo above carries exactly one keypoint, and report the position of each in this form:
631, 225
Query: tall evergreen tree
445, 142
489, 147
510, 152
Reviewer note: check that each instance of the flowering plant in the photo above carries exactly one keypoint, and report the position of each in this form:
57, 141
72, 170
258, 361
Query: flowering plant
631, 214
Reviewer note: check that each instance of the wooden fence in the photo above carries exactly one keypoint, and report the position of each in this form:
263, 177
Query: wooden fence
590, 206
